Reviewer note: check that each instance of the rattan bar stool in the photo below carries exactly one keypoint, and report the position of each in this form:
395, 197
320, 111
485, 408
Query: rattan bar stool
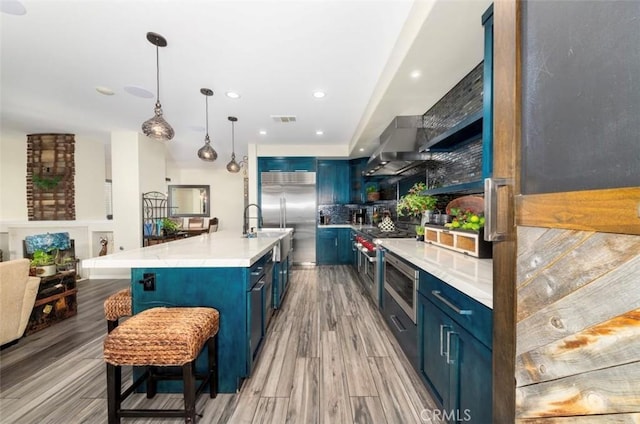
158, 338
117, 306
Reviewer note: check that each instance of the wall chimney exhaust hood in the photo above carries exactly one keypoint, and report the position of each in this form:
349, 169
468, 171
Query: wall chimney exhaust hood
398, 151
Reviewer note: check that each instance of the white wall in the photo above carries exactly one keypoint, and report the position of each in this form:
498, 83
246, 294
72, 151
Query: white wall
226, 191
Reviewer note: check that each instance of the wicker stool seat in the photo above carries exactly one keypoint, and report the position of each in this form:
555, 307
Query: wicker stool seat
162, 337
117, 306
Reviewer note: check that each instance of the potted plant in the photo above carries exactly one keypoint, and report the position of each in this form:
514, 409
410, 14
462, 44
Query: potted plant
419, 233
43, 263
414, 203
372, 193
169, 226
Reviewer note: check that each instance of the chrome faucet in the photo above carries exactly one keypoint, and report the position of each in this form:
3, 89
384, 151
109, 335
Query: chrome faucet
245, 218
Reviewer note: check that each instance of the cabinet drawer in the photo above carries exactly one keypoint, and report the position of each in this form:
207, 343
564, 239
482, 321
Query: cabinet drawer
466, 311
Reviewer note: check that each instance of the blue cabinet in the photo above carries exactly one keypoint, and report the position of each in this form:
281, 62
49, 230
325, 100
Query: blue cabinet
333, 182
281, 272
454, 333
286, 164
357, 188
333, 246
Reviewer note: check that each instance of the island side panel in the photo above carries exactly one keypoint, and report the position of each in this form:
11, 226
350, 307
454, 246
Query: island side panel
224, 289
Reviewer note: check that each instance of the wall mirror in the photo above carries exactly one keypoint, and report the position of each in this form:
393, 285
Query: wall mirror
188, 200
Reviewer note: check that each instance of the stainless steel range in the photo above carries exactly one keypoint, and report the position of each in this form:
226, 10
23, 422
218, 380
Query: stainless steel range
369, 270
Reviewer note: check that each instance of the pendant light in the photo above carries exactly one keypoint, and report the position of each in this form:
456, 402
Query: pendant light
206, 152
233, 165
156, 127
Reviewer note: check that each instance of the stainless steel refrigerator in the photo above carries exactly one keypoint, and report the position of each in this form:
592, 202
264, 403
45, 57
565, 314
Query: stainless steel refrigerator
288, 200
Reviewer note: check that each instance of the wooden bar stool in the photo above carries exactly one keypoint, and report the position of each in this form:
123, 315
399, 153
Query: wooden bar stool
158, 338
117, 306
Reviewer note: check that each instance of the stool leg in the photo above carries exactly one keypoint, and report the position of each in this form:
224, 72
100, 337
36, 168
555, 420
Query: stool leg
212, 345
152, 382
189, 382
114, 385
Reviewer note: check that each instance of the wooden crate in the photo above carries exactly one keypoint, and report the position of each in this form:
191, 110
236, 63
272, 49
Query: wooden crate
468, 242
56, 300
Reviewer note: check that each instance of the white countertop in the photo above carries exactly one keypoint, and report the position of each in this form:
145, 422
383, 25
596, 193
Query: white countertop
219, 249
472, 276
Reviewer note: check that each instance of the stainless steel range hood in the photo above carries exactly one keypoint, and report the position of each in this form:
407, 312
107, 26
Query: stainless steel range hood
398, 151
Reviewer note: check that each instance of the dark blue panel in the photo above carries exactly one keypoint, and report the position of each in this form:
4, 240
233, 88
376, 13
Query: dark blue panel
221, 288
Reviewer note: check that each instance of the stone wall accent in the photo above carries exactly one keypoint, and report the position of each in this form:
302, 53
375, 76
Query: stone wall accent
50, 177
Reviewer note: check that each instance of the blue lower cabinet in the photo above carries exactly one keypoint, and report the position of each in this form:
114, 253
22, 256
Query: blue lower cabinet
334, 246
281, 272
456, 365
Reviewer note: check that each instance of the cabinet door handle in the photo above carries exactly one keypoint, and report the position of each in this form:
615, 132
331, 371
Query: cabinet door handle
437, 295
442, 327
449, 360
491, 208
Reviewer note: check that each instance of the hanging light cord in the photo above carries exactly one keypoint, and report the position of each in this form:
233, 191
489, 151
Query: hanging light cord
206, 108
157, 74
233, 145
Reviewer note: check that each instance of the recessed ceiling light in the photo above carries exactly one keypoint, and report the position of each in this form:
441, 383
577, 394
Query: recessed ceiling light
415, 74
362, 149
232, 95
138, 91
263, 132
105, 90
12, 7
318, 94
319, 132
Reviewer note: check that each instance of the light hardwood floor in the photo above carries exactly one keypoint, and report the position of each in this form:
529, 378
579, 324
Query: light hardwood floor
328, 358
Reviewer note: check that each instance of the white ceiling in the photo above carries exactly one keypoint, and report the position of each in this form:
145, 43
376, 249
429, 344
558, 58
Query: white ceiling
274, 53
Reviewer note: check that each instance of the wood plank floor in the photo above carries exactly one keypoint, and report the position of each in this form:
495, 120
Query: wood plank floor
329, 358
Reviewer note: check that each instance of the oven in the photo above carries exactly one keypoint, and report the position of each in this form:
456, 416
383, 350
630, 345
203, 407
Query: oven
366, 265
401, 282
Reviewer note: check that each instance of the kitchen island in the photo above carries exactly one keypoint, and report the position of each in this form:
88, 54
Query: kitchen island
222, 270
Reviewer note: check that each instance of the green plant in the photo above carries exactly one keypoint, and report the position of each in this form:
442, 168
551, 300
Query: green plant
46, 183
371, 189
42, 258
414, 203
169, 225
419, 230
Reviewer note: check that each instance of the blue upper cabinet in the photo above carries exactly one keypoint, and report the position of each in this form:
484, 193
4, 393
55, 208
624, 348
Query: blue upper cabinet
333, 182
356, 166
286, 164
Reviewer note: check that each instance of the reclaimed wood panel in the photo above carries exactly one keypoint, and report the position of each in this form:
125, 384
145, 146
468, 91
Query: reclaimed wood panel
575, 267
578, 337
606, 297
604, 345
585, 419
607, 391
606, 211
506, 164
549, 248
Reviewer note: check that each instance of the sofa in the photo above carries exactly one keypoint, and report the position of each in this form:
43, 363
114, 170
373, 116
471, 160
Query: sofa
17, 296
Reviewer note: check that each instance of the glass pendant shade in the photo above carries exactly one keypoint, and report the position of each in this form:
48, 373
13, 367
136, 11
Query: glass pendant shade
206, 152
157, 127
233, 166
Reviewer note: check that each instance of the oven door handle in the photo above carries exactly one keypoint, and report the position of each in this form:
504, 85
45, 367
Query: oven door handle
456, 309
396, 322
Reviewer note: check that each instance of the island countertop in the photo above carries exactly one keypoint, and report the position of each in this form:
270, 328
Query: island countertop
470, 275
223, 249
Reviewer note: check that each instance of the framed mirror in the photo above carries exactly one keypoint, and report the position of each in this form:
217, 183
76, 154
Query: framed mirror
188, 200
